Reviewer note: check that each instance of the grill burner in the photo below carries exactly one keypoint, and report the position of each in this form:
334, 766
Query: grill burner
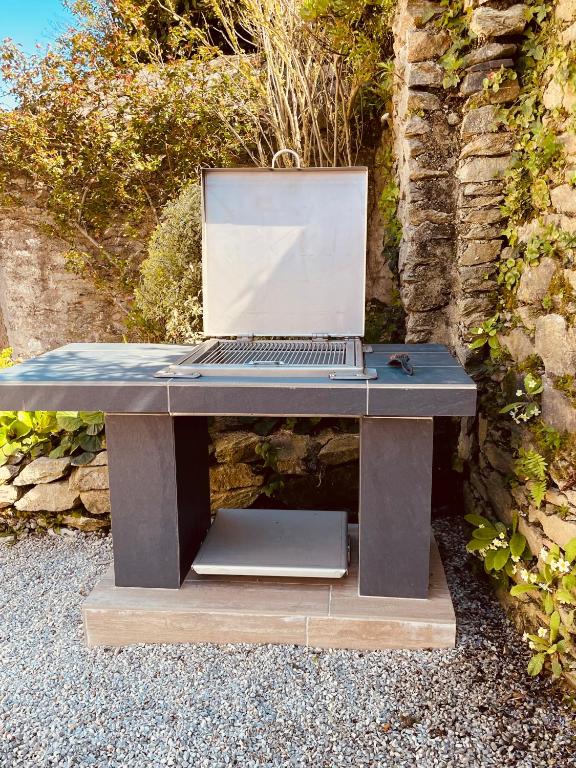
342, 358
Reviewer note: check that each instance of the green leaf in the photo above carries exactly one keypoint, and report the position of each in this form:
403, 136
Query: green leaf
535, 664
556, 667
477, 520
548, 603
91, 443
563, 596
94, 429
489, 560
510, 407
517, 544
519, 589
537, 490
475, 545
501, 557
570, 550
91, 417
533, 384
20, 428
58, 452
83, 458
485, 534
554, 626
68, 420
477, 343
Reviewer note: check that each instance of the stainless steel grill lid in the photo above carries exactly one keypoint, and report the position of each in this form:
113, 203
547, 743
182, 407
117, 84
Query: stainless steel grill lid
284, 251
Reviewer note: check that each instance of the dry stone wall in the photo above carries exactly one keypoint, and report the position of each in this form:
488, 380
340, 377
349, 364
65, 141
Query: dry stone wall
42, 303
454, 151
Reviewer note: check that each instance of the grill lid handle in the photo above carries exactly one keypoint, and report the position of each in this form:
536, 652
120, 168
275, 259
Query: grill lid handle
290, 152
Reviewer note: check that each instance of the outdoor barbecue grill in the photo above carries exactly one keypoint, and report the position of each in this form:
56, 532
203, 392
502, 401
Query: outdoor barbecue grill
283, 273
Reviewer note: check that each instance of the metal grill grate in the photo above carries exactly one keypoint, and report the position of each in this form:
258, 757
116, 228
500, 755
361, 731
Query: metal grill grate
290, 353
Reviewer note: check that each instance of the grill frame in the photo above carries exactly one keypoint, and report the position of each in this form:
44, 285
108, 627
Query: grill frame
344, 359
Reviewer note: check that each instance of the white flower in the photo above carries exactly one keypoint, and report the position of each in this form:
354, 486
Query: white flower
514, 569
533, 578
563, 566
531, 646
524, 575
543, 554
542, 632
536, 411
481, 526
501, 536
525, 636
515, 559
519, 393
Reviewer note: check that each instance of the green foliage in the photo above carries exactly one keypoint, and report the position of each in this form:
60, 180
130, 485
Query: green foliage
551, 581
455, 19
168, 304
79, 434
109, 126
498, 547
486, 334
524, 410
531, 468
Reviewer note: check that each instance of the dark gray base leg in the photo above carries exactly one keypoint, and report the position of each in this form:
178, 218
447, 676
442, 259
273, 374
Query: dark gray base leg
394, 517
159, 494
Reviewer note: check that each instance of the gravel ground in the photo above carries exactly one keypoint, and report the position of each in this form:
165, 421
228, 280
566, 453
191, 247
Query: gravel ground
63, 705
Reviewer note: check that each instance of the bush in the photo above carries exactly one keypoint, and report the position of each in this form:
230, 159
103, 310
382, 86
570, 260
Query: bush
168, 300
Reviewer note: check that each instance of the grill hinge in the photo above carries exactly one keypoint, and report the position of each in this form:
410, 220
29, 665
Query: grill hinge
245, 337
321, 336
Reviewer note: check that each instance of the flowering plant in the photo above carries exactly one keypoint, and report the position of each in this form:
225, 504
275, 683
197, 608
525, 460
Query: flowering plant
523, 410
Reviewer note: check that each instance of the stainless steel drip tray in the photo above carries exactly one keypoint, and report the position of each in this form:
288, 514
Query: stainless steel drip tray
300, 358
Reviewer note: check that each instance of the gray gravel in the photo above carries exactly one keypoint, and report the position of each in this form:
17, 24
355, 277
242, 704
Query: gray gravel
62, 704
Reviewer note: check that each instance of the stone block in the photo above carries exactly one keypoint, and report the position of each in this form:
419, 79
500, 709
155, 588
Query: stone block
49, 497
482, 168
518, 344
489, 22
558, 530
7, 472
416, 126
565, 10
480, 215
422, 100
556, 345
84, 523
488, 145
224, 477
482, 188
43, 470
478, 279
486, 201
425, 287
507, 92
291, 451
418, 216
488, 52
564, 199
96, 502
234, 447
89, 478
480, 120
498, 458
340, 449
422, 44
100, 460
535, 281
238, 498
9, 495
557, 410
481, 232
424, 73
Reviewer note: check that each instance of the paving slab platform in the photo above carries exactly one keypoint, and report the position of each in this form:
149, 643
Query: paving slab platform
319, 613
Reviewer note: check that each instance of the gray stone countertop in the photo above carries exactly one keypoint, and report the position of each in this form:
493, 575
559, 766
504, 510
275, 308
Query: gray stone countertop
119, 378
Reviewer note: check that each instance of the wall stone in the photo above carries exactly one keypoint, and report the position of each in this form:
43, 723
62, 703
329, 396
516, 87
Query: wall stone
43, 304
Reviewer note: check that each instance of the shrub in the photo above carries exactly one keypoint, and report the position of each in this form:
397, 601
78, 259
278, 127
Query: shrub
168, 300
